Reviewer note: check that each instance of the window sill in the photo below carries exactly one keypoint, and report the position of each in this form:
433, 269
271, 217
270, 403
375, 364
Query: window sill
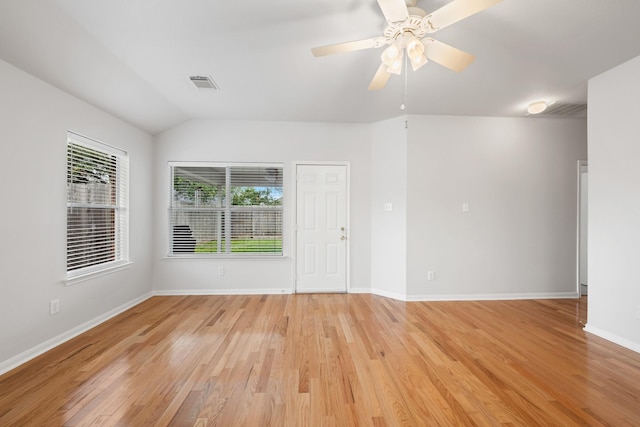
191, 257
73, 279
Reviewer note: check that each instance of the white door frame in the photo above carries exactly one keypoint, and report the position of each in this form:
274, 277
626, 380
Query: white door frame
581, 164
294, 185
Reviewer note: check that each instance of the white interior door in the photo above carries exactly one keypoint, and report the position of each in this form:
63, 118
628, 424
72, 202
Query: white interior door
321, 228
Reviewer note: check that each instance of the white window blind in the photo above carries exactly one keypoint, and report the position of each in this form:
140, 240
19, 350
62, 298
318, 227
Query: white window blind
97, 211
225, 209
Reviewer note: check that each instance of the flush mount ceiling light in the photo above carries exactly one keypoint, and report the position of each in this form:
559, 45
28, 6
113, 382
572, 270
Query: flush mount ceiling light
537, 107
407, 29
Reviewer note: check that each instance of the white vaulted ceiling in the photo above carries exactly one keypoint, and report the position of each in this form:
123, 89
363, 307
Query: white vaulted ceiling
132, 57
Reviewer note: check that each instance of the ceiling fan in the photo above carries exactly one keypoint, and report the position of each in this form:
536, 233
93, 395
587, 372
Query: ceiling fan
407, 28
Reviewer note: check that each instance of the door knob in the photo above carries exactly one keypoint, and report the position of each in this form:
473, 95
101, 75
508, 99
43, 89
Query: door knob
343, 238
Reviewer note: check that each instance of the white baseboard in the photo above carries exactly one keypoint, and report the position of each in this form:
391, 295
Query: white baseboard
184, 292
471, 297
39, 349
493, 297
387, 294
380, 292
359, 290
631, 345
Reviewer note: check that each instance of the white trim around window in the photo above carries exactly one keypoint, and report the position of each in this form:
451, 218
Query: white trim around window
226, 210
97, 208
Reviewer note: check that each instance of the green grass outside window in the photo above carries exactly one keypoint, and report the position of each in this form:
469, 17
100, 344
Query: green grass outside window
243, 246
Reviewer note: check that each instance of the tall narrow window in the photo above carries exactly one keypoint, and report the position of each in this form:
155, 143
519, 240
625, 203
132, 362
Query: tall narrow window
225, 209
97, 211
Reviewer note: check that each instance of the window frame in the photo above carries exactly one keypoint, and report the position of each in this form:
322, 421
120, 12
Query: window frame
227, 209
120, 209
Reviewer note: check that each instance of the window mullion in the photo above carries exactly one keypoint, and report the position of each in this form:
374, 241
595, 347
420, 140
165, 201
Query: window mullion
227, 213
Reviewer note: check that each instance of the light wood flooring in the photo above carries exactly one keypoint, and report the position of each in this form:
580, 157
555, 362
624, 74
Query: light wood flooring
329, 360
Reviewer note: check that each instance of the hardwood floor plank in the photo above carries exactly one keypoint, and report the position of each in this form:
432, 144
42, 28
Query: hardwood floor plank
329, 360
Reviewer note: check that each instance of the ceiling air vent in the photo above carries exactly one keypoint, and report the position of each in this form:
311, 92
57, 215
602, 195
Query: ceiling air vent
204, 82
559, 109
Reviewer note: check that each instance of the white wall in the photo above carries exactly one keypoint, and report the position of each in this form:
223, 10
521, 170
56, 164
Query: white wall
389, 228
614, 204
518, 175
34, 118
239, 141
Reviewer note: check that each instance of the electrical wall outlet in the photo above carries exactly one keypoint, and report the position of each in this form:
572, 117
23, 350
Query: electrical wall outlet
54, 306
431, 275
220, 271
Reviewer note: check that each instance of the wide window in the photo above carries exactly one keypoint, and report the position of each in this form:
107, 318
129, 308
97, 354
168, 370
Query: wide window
225, 209
97, 198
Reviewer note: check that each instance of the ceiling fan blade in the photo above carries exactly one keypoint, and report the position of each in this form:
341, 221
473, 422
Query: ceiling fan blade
447, 56
394, 10
456, 11
380, 78
348, 46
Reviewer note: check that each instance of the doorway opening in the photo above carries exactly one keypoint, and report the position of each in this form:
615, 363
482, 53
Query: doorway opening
582, 242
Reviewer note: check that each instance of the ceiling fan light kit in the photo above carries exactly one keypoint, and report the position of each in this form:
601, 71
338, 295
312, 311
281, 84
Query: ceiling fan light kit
390, 54
406, 29
415, 51
393, 59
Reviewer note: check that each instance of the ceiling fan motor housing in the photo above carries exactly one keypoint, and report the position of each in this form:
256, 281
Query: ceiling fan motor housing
414, 25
